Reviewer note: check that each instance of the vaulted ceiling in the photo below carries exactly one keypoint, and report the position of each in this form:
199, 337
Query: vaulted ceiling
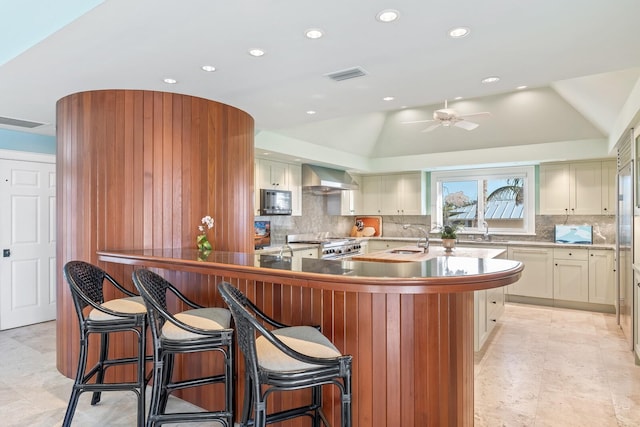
578, 58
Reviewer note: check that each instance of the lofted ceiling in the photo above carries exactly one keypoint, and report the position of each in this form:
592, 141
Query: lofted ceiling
578, 58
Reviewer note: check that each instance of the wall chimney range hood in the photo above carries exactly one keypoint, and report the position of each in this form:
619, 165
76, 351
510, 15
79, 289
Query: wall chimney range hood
322, 180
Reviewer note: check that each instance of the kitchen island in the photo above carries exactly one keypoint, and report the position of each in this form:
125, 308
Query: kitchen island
408, 326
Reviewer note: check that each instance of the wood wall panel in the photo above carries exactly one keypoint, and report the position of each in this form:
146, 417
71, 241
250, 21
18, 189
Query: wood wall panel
139, 169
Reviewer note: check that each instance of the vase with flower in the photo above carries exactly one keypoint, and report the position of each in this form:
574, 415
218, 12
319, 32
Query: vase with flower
449, 237
202, 241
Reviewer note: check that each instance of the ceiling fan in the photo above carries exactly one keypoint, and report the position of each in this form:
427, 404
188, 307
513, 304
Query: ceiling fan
448, 117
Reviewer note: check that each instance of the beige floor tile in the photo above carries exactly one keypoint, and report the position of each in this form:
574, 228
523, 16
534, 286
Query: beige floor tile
549, 367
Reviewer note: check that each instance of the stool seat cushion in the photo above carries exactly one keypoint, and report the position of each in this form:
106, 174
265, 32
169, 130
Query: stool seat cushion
130, 305
210, 318
303, 339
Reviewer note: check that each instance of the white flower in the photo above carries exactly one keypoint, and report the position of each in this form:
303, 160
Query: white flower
208, 221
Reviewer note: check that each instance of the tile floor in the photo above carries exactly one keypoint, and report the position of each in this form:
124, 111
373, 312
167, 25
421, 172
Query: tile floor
543, 367
555, 367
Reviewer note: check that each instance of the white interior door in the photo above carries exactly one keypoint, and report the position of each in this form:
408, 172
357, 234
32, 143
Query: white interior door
27, 242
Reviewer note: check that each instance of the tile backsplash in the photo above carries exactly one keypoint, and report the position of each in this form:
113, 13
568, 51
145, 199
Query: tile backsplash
316, 218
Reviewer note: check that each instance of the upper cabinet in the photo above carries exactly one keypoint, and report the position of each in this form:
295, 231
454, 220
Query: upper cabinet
351, 200
609, 191
394, 194
581, 188
272, 175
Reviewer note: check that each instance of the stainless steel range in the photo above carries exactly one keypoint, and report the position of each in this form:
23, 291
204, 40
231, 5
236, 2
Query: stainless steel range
329, 247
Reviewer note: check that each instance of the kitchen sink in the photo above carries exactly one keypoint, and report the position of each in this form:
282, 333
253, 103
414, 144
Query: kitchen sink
405, 251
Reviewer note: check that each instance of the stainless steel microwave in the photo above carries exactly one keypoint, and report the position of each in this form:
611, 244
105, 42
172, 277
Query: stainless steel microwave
275, 202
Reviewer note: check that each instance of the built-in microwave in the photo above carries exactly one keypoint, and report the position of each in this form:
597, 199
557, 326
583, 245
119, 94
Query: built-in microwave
275, 202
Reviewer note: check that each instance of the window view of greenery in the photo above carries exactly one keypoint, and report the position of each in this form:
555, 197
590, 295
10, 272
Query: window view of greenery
473, 203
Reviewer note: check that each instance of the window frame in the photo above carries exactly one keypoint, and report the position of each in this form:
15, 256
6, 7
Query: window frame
525, 172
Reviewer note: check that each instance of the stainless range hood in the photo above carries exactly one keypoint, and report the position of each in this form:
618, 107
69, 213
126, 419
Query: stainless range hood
321, 180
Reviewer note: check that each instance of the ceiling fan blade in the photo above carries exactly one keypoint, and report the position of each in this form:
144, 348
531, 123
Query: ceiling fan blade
466, 125
432, 127
418, 121
484, 113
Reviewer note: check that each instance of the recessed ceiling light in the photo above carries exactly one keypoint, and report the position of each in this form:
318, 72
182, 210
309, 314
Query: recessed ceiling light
208, 68
387, 15
170, 81
459, 32
388, 98
256, 52
313, 33
311, 112
457, 98
522, 87
492, 79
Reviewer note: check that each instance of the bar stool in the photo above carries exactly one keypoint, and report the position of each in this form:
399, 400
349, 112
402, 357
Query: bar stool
199, 329
285, 358
86, 282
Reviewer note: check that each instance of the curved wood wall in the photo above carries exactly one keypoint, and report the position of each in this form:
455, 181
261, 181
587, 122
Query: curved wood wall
139, 169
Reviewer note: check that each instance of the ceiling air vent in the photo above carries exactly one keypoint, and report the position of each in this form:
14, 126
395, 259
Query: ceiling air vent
8, 121
349, 73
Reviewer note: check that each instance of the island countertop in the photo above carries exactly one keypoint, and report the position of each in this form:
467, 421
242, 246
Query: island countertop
408, 325
435, 274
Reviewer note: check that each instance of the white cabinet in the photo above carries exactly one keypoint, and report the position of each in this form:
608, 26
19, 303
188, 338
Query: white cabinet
294, 182
395, 194
537, 276
609, 190
271, 175
574, 188
601, 277
299, 255
571, 275
351, 200
488, 307
371, 195
383, 245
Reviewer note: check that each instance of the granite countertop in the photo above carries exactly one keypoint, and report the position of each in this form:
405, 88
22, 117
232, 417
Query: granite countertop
411, 253
461, 242
500, 242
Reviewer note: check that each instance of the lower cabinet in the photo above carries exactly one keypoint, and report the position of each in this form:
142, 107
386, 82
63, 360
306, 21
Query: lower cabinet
383, 245
537, 276
298, 255
602, 289
488, 307
566, 274
571, 274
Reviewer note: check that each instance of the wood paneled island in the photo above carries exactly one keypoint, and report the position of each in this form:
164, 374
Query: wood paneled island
409, 325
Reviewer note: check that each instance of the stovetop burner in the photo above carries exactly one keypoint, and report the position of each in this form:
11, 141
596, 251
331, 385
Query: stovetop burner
330, 247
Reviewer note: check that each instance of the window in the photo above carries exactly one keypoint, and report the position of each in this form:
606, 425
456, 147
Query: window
502, 199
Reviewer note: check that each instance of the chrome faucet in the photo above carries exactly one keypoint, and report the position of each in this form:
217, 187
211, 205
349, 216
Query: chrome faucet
287, 247
424, 245
486, 235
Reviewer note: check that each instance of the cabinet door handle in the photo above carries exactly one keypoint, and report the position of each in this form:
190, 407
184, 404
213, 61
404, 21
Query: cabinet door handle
556, 264
494, 302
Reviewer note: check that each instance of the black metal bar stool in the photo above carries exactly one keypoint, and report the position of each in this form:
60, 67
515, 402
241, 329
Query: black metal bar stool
282, 359
197, 330
86, 282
